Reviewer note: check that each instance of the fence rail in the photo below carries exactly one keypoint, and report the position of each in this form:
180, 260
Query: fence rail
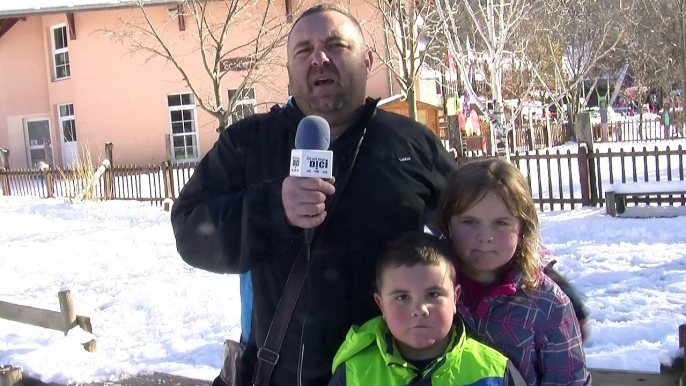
64, 320
571, 179
146, 183
638, 131
558, 179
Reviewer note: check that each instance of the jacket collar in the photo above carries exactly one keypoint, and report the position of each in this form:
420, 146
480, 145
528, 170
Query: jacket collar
291, 114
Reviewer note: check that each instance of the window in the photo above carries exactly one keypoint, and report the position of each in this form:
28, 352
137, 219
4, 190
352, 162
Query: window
60, 52
37, 132
67, 123
245, 103
184, 136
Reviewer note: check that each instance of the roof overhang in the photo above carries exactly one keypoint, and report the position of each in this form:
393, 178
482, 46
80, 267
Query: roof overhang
85, 6
7, 24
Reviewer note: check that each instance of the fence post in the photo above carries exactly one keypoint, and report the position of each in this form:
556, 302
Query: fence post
108, 151
5, 167
512, 137
168, 180
531, 139
10, 376
45, 169
70, 320
5, 159
168, 146
109, 174
584, 175
67, 310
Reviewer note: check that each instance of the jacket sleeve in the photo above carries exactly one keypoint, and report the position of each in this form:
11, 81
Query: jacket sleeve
572, 294
221, 223
561, 358
338, 378
512, 376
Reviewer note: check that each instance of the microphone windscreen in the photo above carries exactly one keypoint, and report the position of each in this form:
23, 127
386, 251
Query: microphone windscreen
313, 133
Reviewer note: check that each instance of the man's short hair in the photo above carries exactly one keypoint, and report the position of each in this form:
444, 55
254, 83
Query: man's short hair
415, 248
326, 8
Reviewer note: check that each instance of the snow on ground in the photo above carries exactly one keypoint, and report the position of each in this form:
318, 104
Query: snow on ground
152, 312
633, 274
149, 310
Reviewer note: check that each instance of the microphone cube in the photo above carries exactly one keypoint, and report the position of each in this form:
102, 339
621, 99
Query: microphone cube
311, 163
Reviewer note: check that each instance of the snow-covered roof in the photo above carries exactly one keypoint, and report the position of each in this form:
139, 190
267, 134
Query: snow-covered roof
390, 99
25, 7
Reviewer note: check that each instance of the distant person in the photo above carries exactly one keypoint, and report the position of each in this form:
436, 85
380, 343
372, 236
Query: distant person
415, 341
507, 300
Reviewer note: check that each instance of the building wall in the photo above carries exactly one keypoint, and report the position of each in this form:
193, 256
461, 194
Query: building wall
23, 85
120, 96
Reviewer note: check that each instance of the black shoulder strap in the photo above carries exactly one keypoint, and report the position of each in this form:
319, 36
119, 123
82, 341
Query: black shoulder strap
268, 355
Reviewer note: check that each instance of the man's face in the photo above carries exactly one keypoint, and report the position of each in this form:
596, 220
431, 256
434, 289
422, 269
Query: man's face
418, 304
328, 65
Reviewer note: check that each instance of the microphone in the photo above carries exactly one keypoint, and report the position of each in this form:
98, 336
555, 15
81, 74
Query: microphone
311, 157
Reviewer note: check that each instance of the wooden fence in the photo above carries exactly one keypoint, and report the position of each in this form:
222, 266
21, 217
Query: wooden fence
63, 321
574, 178
639, 131
147, 183
537, 136
558, 179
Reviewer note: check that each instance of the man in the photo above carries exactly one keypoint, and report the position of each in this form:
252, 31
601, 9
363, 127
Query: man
241, 211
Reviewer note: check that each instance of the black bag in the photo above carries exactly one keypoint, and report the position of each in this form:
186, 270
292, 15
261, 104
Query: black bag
235, 371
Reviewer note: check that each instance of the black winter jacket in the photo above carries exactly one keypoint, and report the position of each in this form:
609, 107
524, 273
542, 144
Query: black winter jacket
229, 218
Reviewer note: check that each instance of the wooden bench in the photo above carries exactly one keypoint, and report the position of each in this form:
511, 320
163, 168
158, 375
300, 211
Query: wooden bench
616, 196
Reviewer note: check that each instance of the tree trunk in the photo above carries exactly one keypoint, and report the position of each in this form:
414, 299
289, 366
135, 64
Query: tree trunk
412, 103
223, 121
497, 128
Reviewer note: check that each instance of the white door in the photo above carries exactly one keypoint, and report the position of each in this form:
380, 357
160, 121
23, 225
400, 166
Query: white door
38, 143
70, 147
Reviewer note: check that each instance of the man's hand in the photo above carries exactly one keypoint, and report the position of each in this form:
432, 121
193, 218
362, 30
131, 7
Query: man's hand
303, 200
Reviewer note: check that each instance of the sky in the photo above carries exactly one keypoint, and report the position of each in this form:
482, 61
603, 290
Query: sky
152, 312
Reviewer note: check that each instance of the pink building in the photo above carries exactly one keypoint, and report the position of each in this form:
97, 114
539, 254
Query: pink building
67, 85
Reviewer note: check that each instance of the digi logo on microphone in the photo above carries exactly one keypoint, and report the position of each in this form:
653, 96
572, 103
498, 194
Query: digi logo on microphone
311, 163
319, 163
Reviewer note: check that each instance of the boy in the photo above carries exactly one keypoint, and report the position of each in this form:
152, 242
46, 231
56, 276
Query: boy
414, 342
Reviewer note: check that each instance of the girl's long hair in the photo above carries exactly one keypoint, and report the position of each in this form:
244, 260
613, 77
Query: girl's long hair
470, 183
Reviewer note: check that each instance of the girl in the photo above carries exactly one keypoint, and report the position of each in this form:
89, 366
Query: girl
510, 304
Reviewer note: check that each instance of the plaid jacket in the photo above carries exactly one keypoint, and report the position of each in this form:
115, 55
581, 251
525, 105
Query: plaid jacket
537, 330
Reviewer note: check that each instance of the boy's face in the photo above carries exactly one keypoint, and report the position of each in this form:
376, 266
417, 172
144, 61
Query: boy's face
418, 304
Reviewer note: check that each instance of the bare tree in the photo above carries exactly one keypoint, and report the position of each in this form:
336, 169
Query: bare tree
585, 31
491, 24
649, 62
211, 25
670, 34
403, 33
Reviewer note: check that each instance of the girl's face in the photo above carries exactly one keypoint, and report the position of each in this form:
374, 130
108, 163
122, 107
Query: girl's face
485, 237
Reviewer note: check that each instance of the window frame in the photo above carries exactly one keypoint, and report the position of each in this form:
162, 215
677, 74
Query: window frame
55, 51
63, 118
172, 135
27, 139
